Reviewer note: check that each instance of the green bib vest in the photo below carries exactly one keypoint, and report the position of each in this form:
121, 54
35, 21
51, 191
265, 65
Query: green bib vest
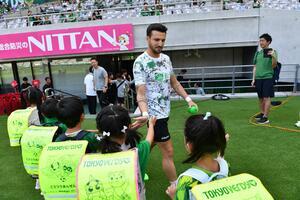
239, 187
110, 176
17, 123
57, 169
34, 139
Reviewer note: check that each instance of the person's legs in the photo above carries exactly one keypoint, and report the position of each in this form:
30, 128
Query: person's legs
168, 166
268, 93
89, 104
261, 105
92, 101
163, 140
100, 97
94, 104
258, 87
267, 106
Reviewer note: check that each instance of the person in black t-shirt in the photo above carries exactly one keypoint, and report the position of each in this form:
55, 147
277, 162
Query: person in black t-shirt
48, 85
24, 86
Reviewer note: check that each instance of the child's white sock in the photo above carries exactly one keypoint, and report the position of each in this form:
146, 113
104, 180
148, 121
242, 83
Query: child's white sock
37, 184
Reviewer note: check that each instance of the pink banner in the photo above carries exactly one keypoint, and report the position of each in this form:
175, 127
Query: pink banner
94, 39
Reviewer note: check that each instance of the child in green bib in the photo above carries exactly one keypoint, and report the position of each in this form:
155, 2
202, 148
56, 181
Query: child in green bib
71, 113
114, 123
49, 112
205, 141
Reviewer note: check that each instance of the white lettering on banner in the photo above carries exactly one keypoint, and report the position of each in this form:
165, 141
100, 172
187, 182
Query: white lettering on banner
90, 41
60, 37
73, 40
19, 45
49, 43
45, 42
40, 45
111, 40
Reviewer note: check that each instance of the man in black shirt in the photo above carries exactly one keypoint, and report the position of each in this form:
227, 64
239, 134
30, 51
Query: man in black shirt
48, 85
24, 85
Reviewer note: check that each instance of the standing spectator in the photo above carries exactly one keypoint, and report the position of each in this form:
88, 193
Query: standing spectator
46, 20
24, 87
146, 11
125, 75
31, 18
158, 8
111, 94
47, 85
100, 81
90, 91
122, 85
264, 62
38, 95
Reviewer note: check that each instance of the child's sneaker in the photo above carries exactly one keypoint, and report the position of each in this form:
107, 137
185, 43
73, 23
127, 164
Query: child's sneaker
258, 116
37, 184
263, 120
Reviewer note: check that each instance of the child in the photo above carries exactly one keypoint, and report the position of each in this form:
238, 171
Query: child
70, 112
114, 123
49, 112
205, 142
34, 97
121, 83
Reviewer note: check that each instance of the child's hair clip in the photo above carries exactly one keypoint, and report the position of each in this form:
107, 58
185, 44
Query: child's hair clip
124, 129
207, 115
99, 138
106, 134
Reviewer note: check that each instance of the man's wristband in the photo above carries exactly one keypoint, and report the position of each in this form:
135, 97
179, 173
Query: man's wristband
145, 114
188, 99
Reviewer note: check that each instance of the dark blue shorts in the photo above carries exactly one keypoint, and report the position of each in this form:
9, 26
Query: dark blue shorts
264, 88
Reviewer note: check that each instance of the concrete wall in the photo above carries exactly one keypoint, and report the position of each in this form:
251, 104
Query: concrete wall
186, 31
215, 31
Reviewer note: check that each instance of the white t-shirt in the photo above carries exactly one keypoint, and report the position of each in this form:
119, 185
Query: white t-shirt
89, 85
155, 73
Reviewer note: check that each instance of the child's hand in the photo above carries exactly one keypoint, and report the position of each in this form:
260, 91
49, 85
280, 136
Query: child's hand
152, 121
171, 191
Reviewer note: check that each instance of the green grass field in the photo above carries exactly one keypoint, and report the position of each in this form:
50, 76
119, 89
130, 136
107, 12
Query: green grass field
267, 153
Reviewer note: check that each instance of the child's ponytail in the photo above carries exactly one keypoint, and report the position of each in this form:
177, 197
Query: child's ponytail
108, 146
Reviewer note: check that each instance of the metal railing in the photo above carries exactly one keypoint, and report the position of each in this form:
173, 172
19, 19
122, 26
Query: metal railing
181, 7
234, 79
107, 13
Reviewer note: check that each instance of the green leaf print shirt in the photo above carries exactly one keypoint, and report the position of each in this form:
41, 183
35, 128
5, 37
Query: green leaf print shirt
155, 74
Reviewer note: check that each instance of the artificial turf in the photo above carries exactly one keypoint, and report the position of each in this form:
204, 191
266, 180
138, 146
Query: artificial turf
267, 153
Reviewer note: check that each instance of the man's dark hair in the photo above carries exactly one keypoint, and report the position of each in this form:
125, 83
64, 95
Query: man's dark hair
93, 58
70, 110
25, 79
266, 36
156, 27
47, 78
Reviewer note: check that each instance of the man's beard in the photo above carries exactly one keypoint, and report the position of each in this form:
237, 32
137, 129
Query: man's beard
155, 50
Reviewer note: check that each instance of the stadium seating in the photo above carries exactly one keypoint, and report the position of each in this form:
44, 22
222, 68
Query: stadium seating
116, 9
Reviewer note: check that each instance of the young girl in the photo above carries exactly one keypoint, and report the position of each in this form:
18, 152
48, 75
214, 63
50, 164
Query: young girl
205, 141
114, 123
